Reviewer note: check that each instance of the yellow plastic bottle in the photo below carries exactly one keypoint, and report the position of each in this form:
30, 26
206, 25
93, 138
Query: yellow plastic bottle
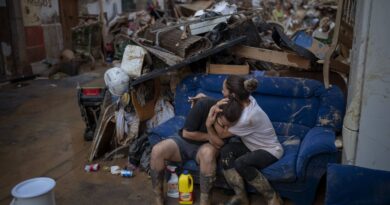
186, 186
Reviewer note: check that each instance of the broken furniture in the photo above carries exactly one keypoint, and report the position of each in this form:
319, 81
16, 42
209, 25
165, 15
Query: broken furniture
90, 100
86, 41
305, 115
348, 184
342, 38
104, 132
176, 41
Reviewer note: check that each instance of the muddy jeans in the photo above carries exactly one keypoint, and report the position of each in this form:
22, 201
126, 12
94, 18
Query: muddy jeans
237, 155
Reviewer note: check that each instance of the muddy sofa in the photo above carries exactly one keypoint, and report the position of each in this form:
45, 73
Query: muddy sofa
305, 115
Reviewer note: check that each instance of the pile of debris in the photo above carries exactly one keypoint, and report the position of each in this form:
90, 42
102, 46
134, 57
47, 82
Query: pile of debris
148, 47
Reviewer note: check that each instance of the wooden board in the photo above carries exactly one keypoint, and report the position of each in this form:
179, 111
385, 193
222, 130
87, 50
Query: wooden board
228, 69
68, 15
103, 132
277, 57
147, 111
197, 5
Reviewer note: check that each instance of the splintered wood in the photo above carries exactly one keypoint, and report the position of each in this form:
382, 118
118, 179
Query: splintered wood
277, 57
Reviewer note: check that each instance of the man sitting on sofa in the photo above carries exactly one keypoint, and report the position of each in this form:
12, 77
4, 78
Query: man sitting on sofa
198, 140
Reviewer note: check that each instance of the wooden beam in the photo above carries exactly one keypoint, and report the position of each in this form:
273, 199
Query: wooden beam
277, 57
228, 69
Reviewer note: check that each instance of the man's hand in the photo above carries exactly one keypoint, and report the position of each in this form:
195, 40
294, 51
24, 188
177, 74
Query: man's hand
194, 99
214, 110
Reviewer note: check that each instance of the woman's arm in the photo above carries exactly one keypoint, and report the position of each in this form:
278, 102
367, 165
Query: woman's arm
214, 139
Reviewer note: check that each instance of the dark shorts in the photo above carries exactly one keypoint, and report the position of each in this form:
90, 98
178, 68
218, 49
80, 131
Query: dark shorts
188, 149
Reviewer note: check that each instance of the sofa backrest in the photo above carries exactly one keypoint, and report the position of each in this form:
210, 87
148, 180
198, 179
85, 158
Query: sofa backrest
294, 105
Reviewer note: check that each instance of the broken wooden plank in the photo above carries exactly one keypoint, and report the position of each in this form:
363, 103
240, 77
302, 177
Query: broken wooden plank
228, 69
339, 66
104, 131
191, 8
277, 57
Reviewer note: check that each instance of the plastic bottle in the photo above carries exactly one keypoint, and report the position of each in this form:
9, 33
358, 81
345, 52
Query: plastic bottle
173, 190
186, 188
126, 173
92, 167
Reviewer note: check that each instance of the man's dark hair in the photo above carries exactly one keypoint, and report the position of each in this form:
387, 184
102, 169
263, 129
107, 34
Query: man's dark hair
231, 110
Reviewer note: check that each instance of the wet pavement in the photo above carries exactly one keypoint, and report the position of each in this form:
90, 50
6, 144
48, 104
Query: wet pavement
41, 134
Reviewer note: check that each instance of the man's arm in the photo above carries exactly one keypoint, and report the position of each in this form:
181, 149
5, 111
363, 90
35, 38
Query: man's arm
214, 139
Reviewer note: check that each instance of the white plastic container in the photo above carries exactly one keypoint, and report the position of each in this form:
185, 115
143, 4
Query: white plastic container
133, 60
36, 191
173, 188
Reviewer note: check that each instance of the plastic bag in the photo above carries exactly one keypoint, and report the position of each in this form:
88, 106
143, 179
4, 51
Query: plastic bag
163, 111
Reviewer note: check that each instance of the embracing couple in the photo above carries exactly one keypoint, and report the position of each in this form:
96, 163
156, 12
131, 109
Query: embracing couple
204, 137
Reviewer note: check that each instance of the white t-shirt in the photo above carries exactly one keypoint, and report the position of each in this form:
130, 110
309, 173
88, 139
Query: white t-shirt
256, 131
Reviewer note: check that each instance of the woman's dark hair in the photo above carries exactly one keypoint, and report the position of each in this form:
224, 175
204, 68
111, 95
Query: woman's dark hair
240, 87
231, 110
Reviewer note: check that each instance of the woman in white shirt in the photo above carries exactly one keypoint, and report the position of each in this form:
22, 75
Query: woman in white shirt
259, 146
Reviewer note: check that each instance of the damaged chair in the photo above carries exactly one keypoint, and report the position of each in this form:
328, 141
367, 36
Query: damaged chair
347, 184
306, 118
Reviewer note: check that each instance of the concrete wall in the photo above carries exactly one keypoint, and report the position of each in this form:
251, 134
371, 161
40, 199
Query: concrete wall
111, 7
39, 12
373, 148
369, 89
43, 30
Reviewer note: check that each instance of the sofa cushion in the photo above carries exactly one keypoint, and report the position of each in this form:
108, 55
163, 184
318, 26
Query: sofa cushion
283, 170
348, 184
290, 129
302, 111
332, 109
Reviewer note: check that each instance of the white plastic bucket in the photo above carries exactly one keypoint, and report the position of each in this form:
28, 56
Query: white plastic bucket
35, 191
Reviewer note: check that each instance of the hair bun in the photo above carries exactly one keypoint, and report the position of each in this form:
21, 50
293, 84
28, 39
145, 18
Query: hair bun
250, 84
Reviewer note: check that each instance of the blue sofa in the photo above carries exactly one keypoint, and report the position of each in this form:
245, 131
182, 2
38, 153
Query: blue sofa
305, 115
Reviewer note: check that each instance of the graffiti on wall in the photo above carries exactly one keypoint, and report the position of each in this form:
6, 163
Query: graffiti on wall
37, 12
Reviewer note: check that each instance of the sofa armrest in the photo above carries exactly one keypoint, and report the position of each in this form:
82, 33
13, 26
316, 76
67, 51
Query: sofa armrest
319, 140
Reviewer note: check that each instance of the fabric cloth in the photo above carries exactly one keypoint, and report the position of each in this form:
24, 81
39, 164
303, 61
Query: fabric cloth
247, 163
196, 118
256, 130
